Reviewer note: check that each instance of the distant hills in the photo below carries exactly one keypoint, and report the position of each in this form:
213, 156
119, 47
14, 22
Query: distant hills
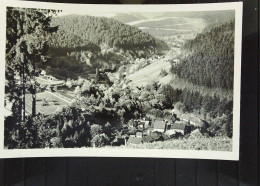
128, 17
209, 16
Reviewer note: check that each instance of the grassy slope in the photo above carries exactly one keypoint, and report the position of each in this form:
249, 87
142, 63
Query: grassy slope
151, 73
212, 144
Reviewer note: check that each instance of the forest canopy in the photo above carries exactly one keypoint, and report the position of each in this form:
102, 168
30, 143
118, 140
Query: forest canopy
101, 30
208, 59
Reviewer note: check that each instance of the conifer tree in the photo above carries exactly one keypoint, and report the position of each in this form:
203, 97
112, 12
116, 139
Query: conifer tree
26, 45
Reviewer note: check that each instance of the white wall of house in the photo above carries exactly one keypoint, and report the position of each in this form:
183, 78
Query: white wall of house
173, 131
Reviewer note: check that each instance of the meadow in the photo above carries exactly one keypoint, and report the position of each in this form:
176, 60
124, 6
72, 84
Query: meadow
204, 143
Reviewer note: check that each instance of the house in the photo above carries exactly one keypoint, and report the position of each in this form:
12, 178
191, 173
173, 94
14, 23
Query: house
197, 122
143, 124
135, 140
194, 120
159, 125
176, 128
185, 117
148, 139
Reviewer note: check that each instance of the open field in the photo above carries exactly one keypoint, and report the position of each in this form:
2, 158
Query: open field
151, 73
46, 102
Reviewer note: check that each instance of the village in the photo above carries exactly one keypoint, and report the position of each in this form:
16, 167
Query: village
148, 131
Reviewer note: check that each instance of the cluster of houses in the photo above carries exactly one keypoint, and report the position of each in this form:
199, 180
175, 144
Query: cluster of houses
164, 129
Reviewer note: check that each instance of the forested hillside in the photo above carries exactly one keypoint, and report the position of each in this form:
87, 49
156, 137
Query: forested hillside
63, 42
101, 30
208, 59
84, 43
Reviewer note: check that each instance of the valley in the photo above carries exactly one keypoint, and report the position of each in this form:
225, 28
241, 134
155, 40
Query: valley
135, 82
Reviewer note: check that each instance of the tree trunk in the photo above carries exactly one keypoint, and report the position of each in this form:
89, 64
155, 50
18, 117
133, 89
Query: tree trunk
33, 92
20, 105
24, 92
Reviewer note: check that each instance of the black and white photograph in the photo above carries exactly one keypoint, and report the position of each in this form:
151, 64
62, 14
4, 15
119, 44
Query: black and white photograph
118, 80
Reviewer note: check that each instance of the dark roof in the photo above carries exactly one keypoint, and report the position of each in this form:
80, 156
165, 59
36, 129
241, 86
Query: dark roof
158, 124
135, 140
178, 126
155, 136
147, 139
165, 137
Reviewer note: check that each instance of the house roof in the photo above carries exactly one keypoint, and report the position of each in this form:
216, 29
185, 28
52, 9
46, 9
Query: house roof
158, 124
165, 137
178, 126
155, 136
185, 116
135, 140
148, 139
139, 134
197, 121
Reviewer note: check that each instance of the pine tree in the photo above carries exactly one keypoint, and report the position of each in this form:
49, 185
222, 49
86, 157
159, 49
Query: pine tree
26, 45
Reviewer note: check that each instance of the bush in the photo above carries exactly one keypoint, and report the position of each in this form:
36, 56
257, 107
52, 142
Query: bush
163, 73
100, 140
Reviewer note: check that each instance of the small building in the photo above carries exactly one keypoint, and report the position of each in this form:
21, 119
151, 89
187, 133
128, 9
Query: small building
160, 126
185, 117
180, 128
197, 122
143, 124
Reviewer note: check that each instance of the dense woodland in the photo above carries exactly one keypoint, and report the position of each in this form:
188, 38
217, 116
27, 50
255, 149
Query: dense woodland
208, 59
100, 43
101, 30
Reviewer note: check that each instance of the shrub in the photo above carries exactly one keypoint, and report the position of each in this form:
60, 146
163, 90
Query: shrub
163, 73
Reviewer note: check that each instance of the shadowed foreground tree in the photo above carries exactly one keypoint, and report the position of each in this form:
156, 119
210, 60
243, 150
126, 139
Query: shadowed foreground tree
26, 45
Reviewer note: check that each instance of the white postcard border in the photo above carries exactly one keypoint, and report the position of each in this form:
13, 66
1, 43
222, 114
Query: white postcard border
108, 152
